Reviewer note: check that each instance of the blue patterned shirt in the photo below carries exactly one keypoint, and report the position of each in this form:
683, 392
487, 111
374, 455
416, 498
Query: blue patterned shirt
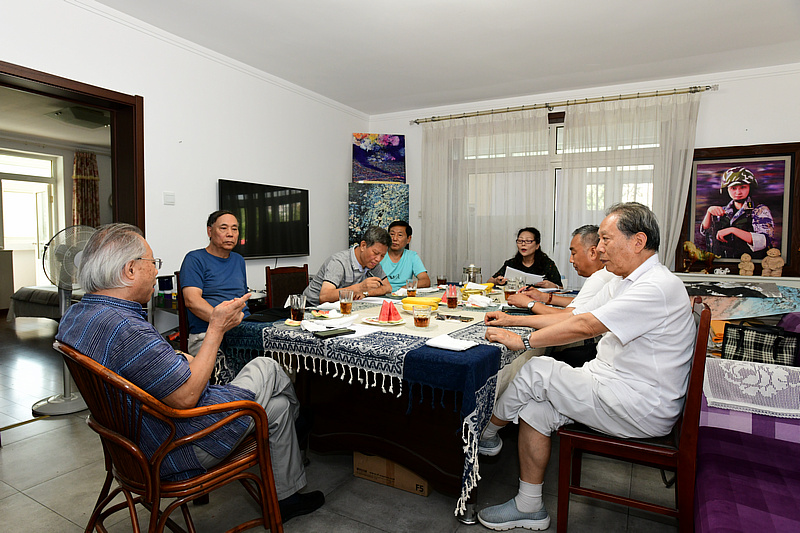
116, 334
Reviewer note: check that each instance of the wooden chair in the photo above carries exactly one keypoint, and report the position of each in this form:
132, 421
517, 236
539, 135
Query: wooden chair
117, 408
183, 318
677, 452
283, 281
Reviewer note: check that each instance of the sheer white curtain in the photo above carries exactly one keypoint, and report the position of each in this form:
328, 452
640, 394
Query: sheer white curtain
627, 150
483, 178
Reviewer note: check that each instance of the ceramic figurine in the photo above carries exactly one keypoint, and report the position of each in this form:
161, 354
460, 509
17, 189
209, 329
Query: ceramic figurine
772, 265
746, 265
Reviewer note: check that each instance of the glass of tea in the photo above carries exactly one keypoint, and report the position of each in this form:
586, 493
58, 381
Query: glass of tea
441, 280
422, 316
451, 294
346, 301
411, 287
510, 288
298, 306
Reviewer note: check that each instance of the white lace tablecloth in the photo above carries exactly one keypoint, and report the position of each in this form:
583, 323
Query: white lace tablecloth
772, 390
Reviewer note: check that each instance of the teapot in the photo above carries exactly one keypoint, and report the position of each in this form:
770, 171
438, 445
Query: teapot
472, 273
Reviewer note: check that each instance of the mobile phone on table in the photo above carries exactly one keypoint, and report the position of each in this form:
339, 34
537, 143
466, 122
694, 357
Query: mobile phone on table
330, 333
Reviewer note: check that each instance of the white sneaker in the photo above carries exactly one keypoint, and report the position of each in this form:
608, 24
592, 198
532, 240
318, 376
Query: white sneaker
490, 446
506, 516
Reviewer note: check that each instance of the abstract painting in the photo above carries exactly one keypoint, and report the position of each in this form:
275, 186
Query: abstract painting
375, 204
379, 157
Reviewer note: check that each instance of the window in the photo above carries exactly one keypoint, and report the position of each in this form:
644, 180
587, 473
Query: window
27, 186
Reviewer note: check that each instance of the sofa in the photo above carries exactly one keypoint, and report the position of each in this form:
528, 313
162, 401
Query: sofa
748, 451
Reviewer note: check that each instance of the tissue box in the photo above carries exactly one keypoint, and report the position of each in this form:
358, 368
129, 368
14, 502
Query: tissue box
386, 472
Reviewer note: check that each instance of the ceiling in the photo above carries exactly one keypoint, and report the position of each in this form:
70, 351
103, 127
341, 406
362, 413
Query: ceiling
380, 57
24, 114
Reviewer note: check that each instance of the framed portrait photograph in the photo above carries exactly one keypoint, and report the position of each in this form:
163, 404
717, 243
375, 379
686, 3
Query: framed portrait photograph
743, 200
739, 205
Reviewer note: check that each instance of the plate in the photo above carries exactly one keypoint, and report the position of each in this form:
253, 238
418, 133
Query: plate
375, 322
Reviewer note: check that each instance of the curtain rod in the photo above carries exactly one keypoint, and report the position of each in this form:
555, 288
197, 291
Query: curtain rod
565, 103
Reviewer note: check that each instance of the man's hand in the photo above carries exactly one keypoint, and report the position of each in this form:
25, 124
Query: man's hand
228, 314
371, 282
497, 318
716, 211
507, 338
520, 299
547, 284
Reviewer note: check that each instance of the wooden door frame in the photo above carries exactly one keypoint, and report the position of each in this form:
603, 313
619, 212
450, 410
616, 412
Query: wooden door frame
127, 131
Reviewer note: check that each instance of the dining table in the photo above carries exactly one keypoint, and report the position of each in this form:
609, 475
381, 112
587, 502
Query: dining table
385, 391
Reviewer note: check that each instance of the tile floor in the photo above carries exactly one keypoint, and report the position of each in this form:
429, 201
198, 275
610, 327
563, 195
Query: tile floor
51, 471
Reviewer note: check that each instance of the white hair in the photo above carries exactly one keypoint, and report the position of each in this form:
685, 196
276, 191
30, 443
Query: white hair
109, 249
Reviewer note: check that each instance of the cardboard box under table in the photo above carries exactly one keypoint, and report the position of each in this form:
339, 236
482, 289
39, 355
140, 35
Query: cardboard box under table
386, 472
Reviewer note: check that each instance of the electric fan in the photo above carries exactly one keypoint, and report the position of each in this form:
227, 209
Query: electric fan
60, 260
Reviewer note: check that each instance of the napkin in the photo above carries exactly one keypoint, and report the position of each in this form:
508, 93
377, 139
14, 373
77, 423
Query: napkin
471, 286
328, 305
446, 342
479, 301
402, 291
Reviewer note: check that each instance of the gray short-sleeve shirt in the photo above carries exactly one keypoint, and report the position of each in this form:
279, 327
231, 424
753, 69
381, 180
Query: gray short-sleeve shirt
342, 269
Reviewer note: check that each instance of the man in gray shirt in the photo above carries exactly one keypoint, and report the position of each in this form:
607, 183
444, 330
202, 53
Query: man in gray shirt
358, 269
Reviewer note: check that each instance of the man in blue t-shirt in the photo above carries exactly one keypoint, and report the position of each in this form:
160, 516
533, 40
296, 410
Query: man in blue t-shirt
401, 264
212, 275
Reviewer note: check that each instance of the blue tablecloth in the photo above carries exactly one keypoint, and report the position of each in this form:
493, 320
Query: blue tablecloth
390, 360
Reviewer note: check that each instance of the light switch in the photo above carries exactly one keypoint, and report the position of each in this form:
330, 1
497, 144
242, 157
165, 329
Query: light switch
169, 198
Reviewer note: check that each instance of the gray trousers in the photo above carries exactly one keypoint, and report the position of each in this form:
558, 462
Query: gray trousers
274, 391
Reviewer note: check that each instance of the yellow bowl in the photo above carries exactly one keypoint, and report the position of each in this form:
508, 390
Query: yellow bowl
410, 302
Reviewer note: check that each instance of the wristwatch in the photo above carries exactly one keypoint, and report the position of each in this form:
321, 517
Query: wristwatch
530, 305
526, 342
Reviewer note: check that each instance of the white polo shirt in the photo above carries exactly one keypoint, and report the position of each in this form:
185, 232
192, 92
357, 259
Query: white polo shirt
645, 358
592, 286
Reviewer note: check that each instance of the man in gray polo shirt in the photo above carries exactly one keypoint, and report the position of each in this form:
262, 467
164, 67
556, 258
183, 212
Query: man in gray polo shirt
358, 269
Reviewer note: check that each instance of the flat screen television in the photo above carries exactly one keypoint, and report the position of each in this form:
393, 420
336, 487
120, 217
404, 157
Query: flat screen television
273, 220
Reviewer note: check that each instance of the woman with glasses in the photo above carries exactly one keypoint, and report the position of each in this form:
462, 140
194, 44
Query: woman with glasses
530, 259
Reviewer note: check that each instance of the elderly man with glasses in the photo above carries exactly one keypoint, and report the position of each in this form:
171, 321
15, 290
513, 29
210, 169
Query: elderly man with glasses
118, 273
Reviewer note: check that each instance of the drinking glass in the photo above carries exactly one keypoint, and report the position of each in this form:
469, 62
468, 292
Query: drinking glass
411, 287
298, 306
440, 279
422, 316
510, 288
451, 294
346, 301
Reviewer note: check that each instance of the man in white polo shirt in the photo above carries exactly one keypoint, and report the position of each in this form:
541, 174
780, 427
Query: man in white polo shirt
633, 388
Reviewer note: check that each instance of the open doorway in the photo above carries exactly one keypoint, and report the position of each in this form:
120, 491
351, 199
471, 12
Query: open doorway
127, 131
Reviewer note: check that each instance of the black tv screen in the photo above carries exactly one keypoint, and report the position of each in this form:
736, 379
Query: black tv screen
273, 220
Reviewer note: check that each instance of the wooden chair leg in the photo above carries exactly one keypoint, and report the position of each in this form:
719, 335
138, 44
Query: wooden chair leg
564, 464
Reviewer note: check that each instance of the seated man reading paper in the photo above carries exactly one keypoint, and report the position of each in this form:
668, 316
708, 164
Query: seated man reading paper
633, 388
586, 262
118, 273
358, 269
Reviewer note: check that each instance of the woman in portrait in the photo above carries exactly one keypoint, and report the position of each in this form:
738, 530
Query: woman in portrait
741, 226
530, 259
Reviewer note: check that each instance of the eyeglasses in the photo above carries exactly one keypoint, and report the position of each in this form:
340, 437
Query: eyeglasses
157, 262
522, 241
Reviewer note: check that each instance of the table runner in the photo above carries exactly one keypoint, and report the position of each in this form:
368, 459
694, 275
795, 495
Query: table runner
387, 358
772, 390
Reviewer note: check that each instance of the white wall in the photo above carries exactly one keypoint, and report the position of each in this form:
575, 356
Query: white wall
206, 117
751, 107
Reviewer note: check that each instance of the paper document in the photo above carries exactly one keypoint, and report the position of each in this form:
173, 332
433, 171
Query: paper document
530, 279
